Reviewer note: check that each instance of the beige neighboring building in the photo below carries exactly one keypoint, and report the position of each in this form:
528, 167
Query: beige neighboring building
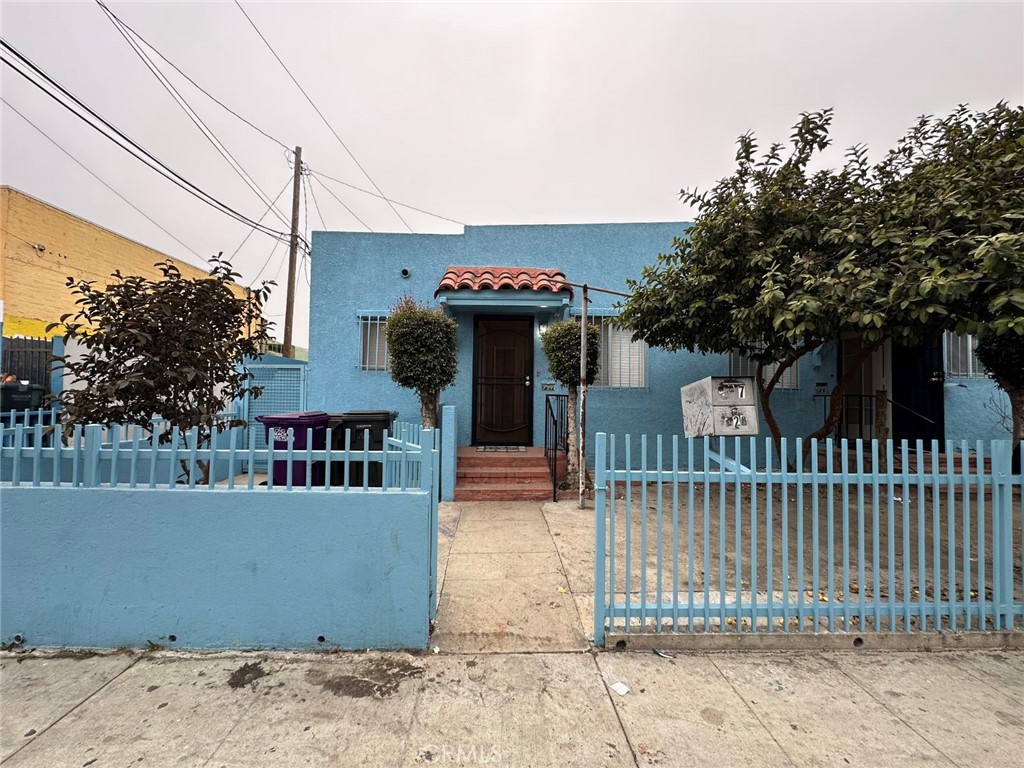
41, 246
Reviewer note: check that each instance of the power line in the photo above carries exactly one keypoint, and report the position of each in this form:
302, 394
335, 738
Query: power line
321, 114
189, 111
198, 87
315, 203
122, 140
256, 128
101, 181
284, 258
35, 246
374, 194
272, 252
249, 233
331, 193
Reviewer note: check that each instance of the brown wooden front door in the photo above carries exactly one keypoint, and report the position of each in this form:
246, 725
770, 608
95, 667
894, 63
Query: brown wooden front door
503, 381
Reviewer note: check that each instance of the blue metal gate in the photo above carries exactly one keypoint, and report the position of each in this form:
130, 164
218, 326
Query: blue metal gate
284, 391
844, 537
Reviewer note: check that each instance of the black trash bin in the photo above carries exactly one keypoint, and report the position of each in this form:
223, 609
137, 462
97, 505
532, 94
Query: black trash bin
358, 422
21, 396
277, 431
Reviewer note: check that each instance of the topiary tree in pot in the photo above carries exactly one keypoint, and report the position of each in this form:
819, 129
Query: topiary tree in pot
561, 345
422, 353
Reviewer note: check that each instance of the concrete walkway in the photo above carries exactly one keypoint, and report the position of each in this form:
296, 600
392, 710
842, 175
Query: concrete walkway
504, 588
514, 684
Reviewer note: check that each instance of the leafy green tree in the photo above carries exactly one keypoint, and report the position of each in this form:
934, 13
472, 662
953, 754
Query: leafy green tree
172, 348
561, 345
955, 188
780, 260
767, 267
422, 353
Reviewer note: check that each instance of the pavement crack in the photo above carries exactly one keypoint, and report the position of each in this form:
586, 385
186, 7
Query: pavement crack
565, 573
414, 721
618, 717
448, 556
987, 684
241, 717
782, 749
893, 712
88, 698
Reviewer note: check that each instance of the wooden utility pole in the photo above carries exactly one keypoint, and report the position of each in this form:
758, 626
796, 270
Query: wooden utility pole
289, 308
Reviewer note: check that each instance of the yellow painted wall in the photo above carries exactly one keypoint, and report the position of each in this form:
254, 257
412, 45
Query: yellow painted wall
41, 246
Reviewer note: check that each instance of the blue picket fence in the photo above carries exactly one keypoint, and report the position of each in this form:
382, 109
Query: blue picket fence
844, 537
124, 455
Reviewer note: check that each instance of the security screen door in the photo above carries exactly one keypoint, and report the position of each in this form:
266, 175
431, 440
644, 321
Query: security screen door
503, 381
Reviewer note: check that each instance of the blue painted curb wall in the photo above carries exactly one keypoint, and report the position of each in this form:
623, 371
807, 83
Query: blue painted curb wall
94, 567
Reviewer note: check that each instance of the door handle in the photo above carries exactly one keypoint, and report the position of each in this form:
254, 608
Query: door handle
527, 381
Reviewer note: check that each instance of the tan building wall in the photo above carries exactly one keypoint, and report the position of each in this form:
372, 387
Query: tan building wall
41, 246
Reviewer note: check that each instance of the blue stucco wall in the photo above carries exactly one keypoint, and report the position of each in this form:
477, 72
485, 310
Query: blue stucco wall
108, 568
972, 410
357, 273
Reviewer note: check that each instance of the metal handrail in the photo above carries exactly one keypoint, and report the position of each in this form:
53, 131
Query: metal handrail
556, 435
859, 410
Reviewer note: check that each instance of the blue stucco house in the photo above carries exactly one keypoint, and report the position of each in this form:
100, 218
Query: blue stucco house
499, 283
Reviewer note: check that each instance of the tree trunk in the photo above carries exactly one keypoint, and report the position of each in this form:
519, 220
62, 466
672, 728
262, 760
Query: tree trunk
572, 461
764, 393
428, 409
1016, 396
202, 466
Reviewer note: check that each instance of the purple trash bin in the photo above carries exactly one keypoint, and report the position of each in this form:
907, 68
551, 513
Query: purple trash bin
277, 431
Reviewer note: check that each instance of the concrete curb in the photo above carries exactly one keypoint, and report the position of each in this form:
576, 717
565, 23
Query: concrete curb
784, 641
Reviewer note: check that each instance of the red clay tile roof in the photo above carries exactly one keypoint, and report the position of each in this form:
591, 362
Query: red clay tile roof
520, 278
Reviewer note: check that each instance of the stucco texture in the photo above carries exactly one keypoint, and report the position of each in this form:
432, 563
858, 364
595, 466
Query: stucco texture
96, 567
361, 273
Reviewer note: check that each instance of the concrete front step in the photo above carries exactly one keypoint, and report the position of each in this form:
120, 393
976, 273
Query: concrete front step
501, 460
531, 491
503, 474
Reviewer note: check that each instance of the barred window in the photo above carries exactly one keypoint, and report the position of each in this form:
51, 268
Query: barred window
960, 358
623, 362
741, 365
374, 343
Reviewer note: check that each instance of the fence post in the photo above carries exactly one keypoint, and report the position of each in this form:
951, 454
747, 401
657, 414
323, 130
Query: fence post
93, 441
1002, 533
448, 453
429, 471
600, 489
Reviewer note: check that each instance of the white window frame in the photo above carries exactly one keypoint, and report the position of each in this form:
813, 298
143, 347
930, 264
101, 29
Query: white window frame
741, 365
959, 358
623, 362
372, 331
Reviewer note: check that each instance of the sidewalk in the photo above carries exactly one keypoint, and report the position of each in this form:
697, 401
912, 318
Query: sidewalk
514, 683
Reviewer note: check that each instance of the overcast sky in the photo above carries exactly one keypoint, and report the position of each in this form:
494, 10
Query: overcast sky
484, 113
